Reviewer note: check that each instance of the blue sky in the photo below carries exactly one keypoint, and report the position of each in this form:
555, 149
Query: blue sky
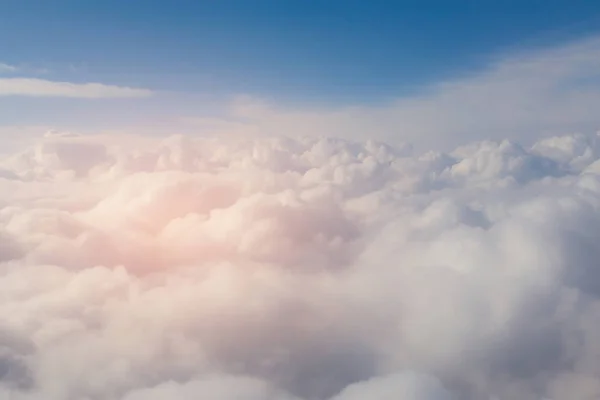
343, 50
196, 55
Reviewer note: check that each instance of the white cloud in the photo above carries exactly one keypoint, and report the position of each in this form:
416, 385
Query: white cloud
299, 268
517, 96
43, 88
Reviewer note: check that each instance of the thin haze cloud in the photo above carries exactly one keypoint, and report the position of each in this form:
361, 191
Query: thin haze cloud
518, 96
34, 87
7, 68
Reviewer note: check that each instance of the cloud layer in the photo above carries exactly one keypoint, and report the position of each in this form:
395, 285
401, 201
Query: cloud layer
299, 269
34, 87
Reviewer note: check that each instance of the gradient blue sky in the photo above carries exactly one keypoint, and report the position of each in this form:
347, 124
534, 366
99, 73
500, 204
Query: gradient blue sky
195, 55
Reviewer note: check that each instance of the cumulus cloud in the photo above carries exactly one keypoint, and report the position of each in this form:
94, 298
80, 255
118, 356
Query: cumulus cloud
34, 87
281, 268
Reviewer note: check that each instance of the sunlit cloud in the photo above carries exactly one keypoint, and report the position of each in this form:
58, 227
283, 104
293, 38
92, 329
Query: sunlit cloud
298, 268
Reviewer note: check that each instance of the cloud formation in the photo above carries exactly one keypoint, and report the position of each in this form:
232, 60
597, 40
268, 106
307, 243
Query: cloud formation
298, 269
34, 87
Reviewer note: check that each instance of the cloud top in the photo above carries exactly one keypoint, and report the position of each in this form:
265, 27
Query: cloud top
299, 269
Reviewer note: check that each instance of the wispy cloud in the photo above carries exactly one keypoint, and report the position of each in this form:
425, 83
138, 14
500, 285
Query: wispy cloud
7, 68
34, 87
518, 96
